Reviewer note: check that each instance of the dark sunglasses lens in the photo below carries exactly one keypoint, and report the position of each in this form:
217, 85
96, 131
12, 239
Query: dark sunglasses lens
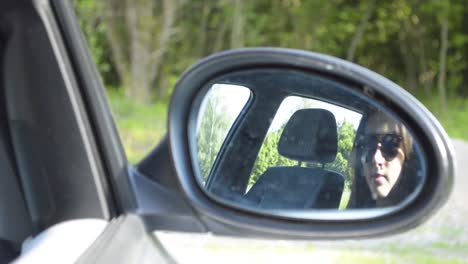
389, 146
389, 151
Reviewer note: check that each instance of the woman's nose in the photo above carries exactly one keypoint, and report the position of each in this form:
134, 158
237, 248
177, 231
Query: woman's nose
378, 157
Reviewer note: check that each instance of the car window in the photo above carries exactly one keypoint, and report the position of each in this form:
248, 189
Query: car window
347, 122
219, 110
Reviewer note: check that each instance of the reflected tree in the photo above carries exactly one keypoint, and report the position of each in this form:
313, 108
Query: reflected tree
211, 132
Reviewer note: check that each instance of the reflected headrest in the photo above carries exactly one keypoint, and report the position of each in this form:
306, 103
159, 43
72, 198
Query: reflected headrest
310, 135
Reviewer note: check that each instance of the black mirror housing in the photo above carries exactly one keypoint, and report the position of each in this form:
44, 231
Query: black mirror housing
225, 219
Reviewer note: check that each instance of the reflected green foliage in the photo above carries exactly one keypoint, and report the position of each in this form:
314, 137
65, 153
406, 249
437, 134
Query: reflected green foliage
268, 156
346, 135
219, 110
213, 129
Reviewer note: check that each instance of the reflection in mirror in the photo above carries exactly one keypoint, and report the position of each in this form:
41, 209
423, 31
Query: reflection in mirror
220, 108
385, 161
288, 149
307, 143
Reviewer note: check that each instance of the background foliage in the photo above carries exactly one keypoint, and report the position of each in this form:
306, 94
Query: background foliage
421, 45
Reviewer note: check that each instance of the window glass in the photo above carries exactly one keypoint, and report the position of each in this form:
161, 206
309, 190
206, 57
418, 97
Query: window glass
220, 108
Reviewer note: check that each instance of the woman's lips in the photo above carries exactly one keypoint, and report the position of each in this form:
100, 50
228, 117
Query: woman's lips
379, 179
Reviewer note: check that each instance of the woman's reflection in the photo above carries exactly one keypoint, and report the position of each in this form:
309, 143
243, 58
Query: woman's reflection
385, 167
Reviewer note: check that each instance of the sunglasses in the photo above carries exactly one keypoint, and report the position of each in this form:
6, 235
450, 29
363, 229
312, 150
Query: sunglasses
389, 145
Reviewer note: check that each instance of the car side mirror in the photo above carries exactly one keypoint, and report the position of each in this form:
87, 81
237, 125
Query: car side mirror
277, 142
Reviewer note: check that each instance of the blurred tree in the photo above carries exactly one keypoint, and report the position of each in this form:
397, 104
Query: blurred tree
443, 57
360, 30
148, 43
94, 30
237, 32
139, 34
212, 131
459, 42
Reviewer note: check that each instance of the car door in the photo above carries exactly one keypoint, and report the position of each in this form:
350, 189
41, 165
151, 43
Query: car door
67, 194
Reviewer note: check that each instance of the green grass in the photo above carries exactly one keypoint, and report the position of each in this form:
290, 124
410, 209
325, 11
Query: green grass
338, 252
455, 119
358, 256
140, 126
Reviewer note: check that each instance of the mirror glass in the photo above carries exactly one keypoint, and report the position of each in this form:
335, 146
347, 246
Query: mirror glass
294, 143
220, 108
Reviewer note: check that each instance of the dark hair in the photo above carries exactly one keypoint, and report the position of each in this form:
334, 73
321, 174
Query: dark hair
361, 197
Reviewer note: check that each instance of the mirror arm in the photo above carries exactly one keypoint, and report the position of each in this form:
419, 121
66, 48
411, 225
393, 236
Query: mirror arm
159, 199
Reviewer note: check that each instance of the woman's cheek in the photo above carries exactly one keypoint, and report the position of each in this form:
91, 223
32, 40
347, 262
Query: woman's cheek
370, 184
394, 171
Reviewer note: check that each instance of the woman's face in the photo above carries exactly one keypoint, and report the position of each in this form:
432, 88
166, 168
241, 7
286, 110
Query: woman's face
383, 156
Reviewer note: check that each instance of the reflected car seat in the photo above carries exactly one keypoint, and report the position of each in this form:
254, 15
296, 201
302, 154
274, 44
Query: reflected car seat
309, 136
